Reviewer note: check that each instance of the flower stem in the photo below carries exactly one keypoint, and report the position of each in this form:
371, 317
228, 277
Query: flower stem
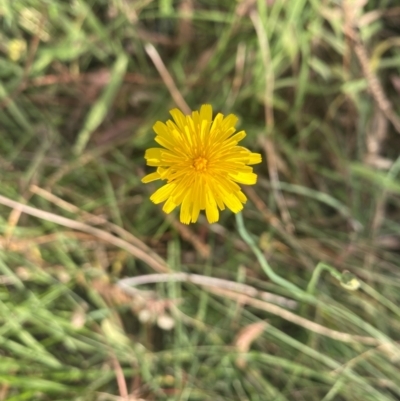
275, 278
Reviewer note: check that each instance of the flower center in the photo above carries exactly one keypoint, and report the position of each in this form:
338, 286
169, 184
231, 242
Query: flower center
200, 164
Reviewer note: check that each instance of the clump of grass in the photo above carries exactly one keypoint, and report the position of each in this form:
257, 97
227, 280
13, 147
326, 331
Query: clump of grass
314, 86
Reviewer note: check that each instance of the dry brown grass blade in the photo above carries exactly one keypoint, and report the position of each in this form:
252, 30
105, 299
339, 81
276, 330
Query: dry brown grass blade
167, 78
119, 374
269, 217
267, 142
188, 235
375, 139
4, 391
12, 222
298, 320
129, 285
23, 244
245, 338
101, 234
238, 78
248, 334
96, 220
374, 85
185, 27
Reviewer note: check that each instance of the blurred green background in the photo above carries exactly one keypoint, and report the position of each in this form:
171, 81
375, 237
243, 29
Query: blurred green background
316, 86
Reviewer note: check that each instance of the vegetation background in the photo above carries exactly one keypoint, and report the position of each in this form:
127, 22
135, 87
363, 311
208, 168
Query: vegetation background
316, 86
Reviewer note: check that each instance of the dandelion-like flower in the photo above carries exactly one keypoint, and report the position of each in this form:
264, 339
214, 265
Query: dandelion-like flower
202, 164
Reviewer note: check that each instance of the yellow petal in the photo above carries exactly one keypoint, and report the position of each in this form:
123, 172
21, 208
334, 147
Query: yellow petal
195, 213
195, 118
229, 121
169, 206
179, 118
189, 137
185, 215
162, 193
181, 190
212, 212
202, 193
225, 184
219, 201
153, 156
173, 130
206, 112
163, 141
161, 129
237, 137
163, 172
204, 131
196, 202
233, 203
224, 190
226, 134
244, 178
241, 196
254, 158
151, 177
215, 126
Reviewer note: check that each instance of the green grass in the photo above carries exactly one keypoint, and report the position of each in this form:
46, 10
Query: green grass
79, 93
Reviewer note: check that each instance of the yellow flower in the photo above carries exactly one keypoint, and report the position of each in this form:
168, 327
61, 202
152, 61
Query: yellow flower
202, 164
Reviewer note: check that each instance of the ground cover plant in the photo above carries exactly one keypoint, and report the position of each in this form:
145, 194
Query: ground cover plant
105, 297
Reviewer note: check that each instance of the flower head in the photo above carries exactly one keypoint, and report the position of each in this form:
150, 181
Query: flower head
202, 164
